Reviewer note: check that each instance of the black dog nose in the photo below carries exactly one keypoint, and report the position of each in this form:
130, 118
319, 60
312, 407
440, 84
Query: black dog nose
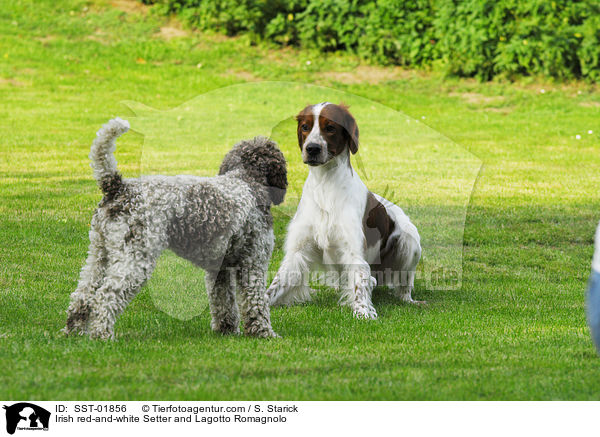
313, 149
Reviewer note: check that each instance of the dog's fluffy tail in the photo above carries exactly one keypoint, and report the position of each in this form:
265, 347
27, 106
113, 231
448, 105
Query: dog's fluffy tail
103, 161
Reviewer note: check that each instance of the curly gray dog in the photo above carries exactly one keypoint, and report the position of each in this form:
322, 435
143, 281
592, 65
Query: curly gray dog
222, 224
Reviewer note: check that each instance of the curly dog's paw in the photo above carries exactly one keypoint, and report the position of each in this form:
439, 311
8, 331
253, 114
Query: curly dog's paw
260, 331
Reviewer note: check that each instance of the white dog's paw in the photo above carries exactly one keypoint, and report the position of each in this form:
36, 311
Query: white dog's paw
296, 295
365, 312
273, 294
405, 295
407, 298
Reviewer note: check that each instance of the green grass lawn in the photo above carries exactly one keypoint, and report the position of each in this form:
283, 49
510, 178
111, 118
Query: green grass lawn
515, 329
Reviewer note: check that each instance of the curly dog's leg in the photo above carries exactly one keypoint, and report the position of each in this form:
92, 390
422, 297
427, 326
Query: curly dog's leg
129, 264
90, 280
253, 302
220, 286
110, 300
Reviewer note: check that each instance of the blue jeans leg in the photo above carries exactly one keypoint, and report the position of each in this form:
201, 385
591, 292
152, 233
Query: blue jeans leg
593, 307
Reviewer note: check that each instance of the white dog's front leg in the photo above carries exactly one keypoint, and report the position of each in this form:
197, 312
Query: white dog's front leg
290, 285
357, 285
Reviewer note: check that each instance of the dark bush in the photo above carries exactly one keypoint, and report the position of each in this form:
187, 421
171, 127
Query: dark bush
480, 38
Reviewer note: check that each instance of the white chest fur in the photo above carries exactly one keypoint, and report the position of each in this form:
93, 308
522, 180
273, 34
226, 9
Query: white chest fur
332, 206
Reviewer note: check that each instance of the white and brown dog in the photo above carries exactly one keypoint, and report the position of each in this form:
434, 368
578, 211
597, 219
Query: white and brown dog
340, 225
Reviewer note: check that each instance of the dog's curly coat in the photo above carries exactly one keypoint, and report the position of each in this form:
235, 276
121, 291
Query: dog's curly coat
222, 224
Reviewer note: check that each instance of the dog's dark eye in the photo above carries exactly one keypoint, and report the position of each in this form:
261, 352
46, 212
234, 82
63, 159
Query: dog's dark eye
304, 127
329, 128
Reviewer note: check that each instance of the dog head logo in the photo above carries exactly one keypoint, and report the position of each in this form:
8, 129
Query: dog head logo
26, 416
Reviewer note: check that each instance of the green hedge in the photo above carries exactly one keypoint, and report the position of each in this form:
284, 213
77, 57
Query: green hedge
481, 38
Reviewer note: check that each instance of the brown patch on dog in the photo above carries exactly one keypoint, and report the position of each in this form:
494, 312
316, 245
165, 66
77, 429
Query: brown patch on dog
379, 226
339, 128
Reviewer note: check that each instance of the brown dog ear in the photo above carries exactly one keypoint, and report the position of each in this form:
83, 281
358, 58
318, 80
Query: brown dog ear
353, 137
351, 129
